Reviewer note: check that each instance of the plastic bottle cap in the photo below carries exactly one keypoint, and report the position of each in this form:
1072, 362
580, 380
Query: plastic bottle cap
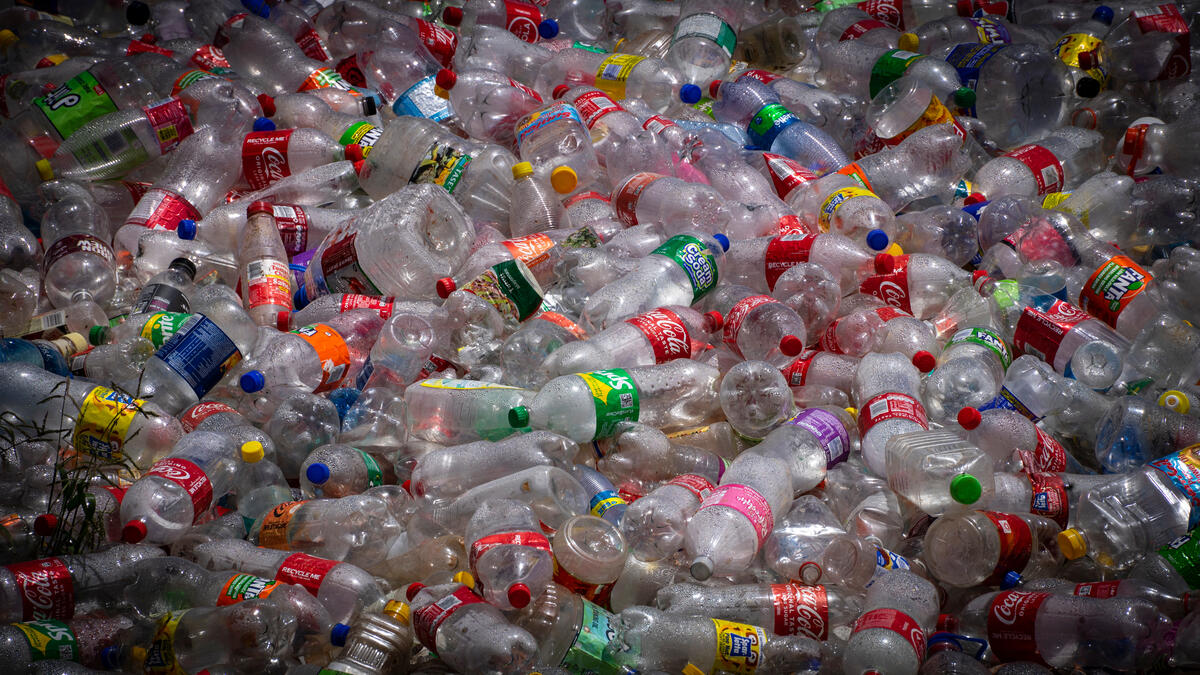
184, 265
1086, 87
969, 418
1072, 544
965, 488
1011, 580
317, 473
924, 361
186, 229
45, 524
877, 240
45, 171
548, 29
702, 568
563, 179
412, 590
518, 417
894, 250
337, 636
354, 152
446, 79
810, 573
908, 42
137, 13
452, 16
263, 124
791, 345
1176, 400
370, 105
714, 88
974, 198
978, 276
259, 206
133, 532
399, 611
884, 263
722, 240
267, 103
519, 595
96, 335
521, 170
1103, 14
464, 578
445, 286
8, 38
257, 7
252, 381
853, 412
110, 657
689, 93
252, 452
964, 97
716, 321
560, 91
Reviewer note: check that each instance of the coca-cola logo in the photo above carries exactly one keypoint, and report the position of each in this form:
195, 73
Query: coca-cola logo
892, 293
173, 473
1065, 311
666, 333
274, 163
810, 611
38, 589
886, 11
1006, 607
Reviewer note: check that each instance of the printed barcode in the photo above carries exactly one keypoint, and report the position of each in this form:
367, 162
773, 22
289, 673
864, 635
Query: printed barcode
1050, 176
284, 212
44, 322
448, 602
878, 408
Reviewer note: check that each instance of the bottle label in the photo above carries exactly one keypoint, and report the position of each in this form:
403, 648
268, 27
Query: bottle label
897, 622
426, 620
1112, 287
160, 656
1183, 468
833, 202
341, 270
140, 47
558, 113
861, 28
442, 165
440, 42
1049, 497
311, 44
984, 337
665, 331
75, 103
737, 315
160, 298
887, 560
292, 222
462, 384
935, 113
201, 355
268, 282
595, 104
615, 398
420, 100
829, 432
533, 249
503, 286
989, 30
657, 124
161, 326
768, 123
603, 501
103, 422
273, 531
693, 257
856, 173
785, 252
49, 640
1098, 589
265, 157
211, 59
332, 351
587, 652
46, 588
708, 26
746, 501
161, 209
1041, 332
739, 647
797, 371
614, 71
1049, 454
1046, 169
374, 473
1072, 45
188, 78
800, 610
363, 134
306, 570
1006, 400
76, 243
381, 306
891, 287
1016, 545
626, 199
1183, 554
1166, 18
325, 78
786, 173
170, 122
532, 540
890, 67
196, 414
188, 476
887, 11
699, 486
1010, 626
245, 587
968, 60
522, 20
891, 405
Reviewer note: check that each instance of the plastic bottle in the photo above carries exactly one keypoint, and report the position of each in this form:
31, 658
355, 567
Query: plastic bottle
520, 18
653, 337
890, 636
476, 638
1054, 163
887, 393
52, 588
265, 279
789, 609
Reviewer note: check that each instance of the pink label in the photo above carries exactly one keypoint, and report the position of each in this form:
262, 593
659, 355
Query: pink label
625, 199
264, 157
1010, 626
292, 222
797, 371
737, 314
188, 476
46, 588
1099, 589
746, 501
890, 12
1016, 545
784, 253
1041, 333
522, 20
666, 333
305, 570
441, 42
897, 622
1049, 498
1043, 164
892, 287
891, 405
196, 414
1168, 19
861, 28
786, 174
170, 122
699, 486
429, 618
311, 44
1049, 454
593, 105
381, 306
161, 209
800, 610
533, 540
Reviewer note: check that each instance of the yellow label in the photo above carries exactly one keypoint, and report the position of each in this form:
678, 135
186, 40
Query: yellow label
834, 202
1054, 201
104, 419
688, 432
160, 657
739, 647
1072, 45
614, 71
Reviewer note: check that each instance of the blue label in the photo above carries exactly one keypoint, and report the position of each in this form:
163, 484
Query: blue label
420, 100
967, 59
201, 353
559, 112
1006, 400
1183, 468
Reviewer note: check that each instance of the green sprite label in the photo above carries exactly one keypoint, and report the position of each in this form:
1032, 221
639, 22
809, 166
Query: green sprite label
49, 640
890, 67
374, 475
767, 123
987, 338
615, 397
1184, 555
705, 105
510, 289
586, 654
161, 326
75, 103
691, 254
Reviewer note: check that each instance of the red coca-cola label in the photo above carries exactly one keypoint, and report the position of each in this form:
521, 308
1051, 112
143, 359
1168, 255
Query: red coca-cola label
381, 306
161, 209
1047, 171
435, 365
625, 199
593, 105
311, 44
600, 594
136, 189
1048, 454
196, 414
801, 610
591, 194
139, 47
829, 341
737, 315
264, 157
784, 253
890, 12
76, 243
533, 540
892, 287
188, 476
786, 173
666, 333
349, 70
522, 20
46, 588
792, 226
657, 124
305, 570
221, 37
796, 372
897, 622
1010, 625
1099, 589
210, 58
1168, 19
861, 28
1016, 545
891, 405
1049, 497
869, 144
440, 42
429, 618
699, 486
1041, 333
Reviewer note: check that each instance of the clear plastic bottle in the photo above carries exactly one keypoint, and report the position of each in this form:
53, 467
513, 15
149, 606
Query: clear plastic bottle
1055, 163
788, 609
652, 337
1009, 543
476, 635
890, 636
52, 588
887, 392
704, 39
265, 279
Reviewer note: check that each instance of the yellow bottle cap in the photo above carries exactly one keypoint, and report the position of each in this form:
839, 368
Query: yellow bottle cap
690, 669
399, 611
441, 93
894, 249
44, 170
56, 58
252, 452
8, 38
465, 579
76, 340
563, 179
521, 170
853, 412
909, 42
1176, 400
1072, 544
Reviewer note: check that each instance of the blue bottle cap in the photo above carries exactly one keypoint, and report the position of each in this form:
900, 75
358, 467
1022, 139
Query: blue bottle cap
257, 7
186, 229
877, 240
317, 473
690, 93
300, 298
1011, 580
264, 124
337, 636
110, 657
343, 399
722, 240
548, 29
1103, 14
252, 381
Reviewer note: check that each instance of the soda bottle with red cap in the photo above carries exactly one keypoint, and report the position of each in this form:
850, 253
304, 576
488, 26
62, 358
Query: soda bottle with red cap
468, 632
265, 280
520, 18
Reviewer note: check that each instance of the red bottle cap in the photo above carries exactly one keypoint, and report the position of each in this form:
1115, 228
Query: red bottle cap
560, 90
445, 286
884, 263
267, 103
791, 345
969, 418
974, 198
519, 595
354, 152
45, 524
713, 88
412, 590
133, 532
453, 16
715, 321
446, 79
924, 361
